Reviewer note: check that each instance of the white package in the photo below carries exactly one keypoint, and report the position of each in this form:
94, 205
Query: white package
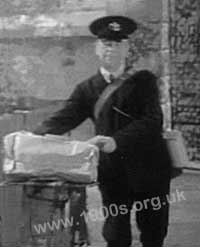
53, 155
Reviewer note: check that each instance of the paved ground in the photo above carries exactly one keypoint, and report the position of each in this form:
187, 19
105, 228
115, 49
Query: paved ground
184, 228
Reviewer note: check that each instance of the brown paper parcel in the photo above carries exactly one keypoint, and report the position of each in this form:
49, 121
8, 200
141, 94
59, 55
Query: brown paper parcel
34, 155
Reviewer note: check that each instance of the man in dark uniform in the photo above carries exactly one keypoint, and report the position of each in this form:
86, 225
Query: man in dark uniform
134, 163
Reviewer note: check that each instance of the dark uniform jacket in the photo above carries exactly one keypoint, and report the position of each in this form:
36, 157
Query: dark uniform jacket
133, 117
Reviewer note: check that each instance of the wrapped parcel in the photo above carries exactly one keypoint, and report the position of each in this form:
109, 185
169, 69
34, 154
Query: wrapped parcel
35, 155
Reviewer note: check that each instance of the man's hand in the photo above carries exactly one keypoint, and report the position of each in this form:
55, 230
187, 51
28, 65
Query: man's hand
104, 143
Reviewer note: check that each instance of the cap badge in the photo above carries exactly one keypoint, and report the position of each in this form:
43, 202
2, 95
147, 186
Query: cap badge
114, 26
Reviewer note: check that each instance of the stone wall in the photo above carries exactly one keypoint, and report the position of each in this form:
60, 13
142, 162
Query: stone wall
185, 73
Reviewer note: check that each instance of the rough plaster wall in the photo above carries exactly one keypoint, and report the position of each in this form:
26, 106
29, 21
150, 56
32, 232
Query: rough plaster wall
27, 67
46, 68
33, 64
185, 73
146, 41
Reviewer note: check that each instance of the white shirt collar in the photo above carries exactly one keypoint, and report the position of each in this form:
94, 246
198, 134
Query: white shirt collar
106, 74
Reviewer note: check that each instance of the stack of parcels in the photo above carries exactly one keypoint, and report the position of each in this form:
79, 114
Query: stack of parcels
29, 155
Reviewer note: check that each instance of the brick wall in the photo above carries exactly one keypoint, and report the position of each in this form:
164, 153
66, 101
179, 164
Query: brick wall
46, 57
185, 73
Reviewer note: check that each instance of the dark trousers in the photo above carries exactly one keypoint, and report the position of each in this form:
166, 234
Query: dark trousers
152, 211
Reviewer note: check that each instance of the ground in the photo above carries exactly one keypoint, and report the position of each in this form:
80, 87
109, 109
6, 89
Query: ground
184, 228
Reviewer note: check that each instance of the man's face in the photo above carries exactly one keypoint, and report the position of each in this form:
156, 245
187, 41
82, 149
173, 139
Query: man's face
111, 53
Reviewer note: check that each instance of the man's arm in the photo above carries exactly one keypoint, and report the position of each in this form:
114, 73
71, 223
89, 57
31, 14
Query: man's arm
74, 112
142, 132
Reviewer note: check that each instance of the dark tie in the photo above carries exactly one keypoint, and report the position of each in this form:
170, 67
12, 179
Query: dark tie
111, 78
